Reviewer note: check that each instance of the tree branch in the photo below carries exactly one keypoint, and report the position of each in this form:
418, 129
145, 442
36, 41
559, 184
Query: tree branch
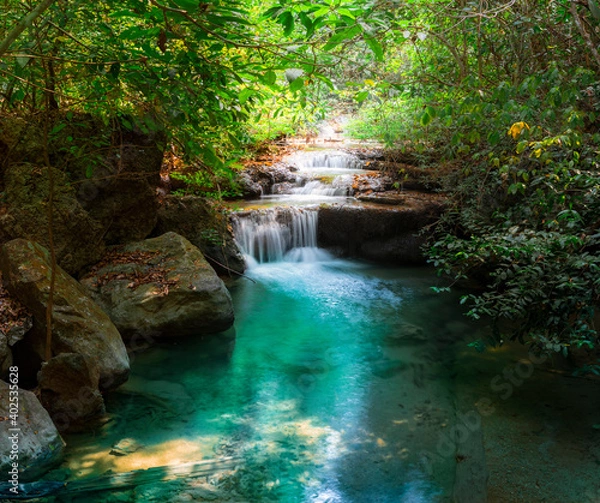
21, 25
584, 33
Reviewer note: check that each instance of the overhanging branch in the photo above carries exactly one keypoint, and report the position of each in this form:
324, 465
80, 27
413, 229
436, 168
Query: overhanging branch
21, 25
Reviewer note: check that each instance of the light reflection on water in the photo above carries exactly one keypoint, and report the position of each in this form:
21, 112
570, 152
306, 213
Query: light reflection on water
315, 394
341, 381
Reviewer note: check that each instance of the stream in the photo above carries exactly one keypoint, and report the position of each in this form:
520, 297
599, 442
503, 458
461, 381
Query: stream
342, 381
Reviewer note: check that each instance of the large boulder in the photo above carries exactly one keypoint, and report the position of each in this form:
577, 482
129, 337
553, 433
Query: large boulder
119, 191
386, 233
205, 227
162, 286
79, 325
77, 237
20, 141
68, 385
40, 446
105, 191
15, 322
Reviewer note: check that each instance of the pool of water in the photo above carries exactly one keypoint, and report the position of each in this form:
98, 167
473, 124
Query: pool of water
346, 382
317, 393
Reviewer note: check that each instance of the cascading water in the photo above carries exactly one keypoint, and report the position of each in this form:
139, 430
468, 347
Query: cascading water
277, 234
330, 159
316, 187
325, 172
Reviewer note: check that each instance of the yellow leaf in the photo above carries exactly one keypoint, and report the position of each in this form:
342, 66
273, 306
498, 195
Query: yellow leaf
517, 128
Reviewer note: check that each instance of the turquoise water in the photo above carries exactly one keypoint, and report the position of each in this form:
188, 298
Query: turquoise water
341, 383
317, 353
334, 385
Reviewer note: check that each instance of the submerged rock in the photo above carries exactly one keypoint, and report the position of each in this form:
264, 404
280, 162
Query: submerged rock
406, 332
68, 386
162, 286
79, 325
125, 446
205, 227
40, 446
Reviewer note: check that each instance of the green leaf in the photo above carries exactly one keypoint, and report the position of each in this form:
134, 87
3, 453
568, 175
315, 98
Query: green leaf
58, 128
270, 78
210, 156
322, 11
224, 20
22, 61
234, 140
327, 81
308, 24
272, 13
245, 94
287, 21
375, 47
494, 137
135, 33
341, 36
425, 119
362, 96
189, 5
297, 85
345, 12
126, 123
521, 146
18, 95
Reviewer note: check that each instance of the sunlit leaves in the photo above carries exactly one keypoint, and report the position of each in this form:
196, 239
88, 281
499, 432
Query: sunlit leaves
517, 129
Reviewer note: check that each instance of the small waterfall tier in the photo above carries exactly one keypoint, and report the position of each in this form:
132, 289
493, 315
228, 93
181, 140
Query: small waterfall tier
277, 234
339, 186
331, 159
326, 173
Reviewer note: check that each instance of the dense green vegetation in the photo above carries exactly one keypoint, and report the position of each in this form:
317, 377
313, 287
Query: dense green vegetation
502, 94
505, 94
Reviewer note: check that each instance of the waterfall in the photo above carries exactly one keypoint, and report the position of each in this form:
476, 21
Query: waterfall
325, 173
278, 234
333, 159
316, 187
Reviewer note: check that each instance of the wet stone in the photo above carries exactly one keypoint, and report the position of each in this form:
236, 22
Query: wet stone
125, 447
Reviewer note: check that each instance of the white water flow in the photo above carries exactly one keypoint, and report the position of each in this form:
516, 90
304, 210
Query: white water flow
278, 234
325, 172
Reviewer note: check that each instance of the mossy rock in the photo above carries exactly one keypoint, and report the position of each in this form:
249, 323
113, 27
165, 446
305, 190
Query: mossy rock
24, 214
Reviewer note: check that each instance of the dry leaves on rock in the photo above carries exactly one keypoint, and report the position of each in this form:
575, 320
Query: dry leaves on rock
149, 273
